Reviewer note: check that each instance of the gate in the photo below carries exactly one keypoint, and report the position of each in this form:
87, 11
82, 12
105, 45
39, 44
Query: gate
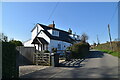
47, 59
41, 58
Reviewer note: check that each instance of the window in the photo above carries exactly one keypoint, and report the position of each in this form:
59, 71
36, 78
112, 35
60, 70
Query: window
59, 46
55, 33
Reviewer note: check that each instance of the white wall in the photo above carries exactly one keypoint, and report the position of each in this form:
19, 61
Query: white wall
34, 32
43, 35
50, 31
54, 44
72, 36
28, 43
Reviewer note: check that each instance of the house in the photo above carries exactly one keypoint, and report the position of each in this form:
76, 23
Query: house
48, 37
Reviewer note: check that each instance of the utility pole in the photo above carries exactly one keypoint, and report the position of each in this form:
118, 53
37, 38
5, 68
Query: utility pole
110, 37
97, 40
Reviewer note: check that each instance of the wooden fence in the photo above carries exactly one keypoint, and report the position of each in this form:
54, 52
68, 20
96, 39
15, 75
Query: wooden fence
25, 56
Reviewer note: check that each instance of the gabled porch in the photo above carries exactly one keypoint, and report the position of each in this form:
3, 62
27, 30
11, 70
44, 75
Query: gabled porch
40, 44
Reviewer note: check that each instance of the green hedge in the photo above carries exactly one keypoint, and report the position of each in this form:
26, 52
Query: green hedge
9, 68
80, 50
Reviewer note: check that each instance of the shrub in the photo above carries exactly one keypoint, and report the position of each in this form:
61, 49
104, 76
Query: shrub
54, 50
46, 51
16, 43
80, 50
9, 68
68, 49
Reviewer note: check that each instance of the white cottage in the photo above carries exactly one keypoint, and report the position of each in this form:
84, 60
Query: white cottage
48, 37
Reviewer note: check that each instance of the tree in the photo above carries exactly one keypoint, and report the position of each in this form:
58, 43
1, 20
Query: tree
3, 37
17, 43
84, 37
94, 44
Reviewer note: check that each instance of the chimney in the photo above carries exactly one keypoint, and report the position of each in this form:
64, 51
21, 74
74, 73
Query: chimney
52, 25
70, 31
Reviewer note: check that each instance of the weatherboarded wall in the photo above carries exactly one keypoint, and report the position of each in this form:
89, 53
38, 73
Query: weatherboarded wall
25, 55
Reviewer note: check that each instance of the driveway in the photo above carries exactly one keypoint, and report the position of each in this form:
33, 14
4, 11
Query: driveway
96, 65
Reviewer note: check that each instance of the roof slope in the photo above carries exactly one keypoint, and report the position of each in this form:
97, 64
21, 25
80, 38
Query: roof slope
47, 28
37, 39
63, 35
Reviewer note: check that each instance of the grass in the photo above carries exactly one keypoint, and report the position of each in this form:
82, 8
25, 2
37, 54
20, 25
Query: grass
117, 54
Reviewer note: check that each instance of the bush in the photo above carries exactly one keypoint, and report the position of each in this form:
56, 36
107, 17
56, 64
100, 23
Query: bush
68, 49
46, 51
54, 50
9, 68
80, 50
16, 43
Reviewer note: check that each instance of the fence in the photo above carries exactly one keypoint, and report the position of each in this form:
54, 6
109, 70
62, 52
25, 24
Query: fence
25, 55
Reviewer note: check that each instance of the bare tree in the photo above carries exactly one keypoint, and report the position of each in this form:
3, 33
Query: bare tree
3, 37
84, 37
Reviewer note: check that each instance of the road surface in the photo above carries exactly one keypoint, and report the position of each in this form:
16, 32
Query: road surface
96, 65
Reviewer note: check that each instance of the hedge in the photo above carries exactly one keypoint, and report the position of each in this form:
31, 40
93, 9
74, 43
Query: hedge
80, 50
9, 68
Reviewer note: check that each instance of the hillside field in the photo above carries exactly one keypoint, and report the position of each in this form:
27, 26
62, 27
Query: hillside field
105, 47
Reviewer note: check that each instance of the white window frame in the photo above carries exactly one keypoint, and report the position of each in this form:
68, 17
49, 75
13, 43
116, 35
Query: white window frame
55, 33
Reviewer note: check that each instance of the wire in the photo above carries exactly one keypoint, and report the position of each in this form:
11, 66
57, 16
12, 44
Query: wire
103, 32
113, 14
53, 11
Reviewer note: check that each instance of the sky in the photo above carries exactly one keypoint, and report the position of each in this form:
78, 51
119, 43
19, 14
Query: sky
92, 18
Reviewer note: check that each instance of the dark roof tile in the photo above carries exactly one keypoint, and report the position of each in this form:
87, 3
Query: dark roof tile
42, 40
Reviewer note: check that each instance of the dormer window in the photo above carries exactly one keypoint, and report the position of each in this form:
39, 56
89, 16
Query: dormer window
55, 33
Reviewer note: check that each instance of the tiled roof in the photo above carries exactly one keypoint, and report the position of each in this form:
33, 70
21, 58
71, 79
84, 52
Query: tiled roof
47, 28
37, 39
63, 35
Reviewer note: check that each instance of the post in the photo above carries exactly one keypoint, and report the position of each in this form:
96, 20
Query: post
110, 37
97, 40
38, 47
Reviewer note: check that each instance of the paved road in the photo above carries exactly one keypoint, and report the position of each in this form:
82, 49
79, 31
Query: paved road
96, 65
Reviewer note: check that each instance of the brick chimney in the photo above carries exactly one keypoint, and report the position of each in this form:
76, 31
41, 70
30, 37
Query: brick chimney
52, 25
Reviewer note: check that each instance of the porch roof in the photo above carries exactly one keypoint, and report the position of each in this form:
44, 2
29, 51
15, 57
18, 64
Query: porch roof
39, 40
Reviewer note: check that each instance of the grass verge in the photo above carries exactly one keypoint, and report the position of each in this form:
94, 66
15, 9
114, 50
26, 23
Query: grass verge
117, 54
